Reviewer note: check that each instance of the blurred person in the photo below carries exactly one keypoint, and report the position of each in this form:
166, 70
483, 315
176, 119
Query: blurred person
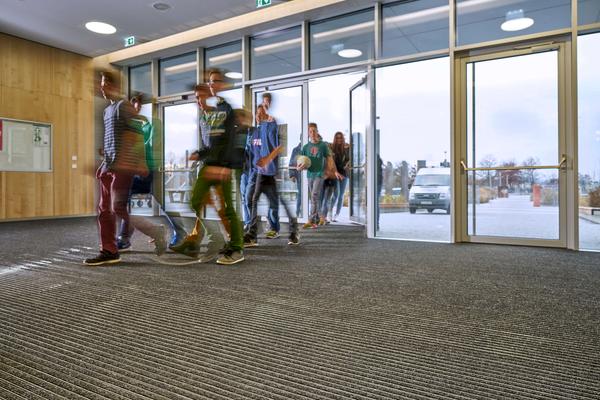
142, 184
341, 157
296, 175
216, 171
122, 161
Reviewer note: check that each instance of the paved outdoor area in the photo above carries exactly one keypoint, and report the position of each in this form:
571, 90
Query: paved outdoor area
514, 216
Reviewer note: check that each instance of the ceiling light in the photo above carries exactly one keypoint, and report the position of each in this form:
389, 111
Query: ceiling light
233, 75
349, 53
161, 6
516, 21
100, 27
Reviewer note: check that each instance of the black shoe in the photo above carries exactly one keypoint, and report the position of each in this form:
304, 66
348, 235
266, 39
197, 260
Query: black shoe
104, 257
249, 241
294, 239
123, 245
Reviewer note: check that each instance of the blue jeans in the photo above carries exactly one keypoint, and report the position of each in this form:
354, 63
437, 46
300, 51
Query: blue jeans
248, 194
338, 195
244, 181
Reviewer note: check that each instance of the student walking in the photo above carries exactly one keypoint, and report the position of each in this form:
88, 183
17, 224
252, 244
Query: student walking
217, 172
317, 151
265, 146
123, 159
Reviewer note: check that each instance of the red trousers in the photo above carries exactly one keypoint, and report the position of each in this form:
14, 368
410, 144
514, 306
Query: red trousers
114, 193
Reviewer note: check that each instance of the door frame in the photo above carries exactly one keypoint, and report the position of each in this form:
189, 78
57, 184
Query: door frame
567, 176
365, 218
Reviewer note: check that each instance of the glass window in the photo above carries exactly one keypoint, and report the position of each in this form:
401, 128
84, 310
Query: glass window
140, 81
329, 107
485, 20
412, 140
178, 74
180, 140
340, 40
276, 53
588, 11
227, 58
588, 75
234, 97
415, 27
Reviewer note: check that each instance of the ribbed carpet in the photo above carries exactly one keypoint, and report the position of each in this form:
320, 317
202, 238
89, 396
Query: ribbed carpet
339, 317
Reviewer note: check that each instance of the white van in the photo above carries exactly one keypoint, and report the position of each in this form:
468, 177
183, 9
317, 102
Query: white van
430, 190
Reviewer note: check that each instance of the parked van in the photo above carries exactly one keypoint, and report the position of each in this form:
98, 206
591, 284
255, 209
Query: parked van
430, 190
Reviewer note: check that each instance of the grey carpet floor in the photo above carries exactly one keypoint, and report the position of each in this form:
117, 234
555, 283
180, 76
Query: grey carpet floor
338, 317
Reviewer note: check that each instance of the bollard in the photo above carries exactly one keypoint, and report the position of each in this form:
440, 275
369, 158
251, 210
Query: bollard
537, 195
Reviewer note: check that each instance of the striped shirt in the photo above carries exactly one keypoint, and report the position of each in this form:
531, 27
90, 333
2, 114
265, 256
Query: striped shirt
114, 125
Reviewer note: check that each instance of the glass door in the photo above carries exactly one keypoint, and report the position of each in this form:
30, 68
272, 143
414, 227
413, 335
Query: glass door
513, 147
285, 106
181, 134
359, 121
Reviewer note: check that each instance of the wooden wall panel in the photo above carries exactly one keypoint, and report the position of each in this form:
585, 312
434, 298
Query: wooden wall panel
41, 83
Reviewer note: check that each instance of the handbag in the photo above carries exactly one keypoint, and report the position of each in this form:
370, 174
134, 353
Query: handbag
330, 168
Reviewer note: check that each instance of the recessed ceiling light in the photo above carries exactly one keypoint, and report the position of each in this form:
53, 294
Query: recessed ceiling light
100, 27
516, 21
233, 75
161, 6
349, 53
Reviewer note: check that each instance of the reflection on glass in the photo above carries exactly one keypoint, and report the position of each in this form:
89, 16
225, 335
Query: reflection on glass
359, 121
140, 81
227, 58
415, 27
588, 11
286, 109
413, 149
514, 122
329, 107
276, 53
177, 74
588, 59
341, 40
181, 138
484, 20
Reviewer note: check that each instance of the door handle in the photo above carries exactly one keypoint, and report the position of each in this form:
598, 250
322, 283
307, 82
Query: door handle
561, 165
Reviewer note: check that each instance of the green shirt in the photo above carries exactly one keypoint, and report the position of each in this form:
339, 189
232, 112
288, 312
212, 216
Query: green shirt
317, 152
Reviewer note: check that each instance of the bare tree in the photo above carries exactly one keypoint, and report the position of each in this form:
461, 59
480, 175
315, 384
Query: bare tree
529, 175
488, 161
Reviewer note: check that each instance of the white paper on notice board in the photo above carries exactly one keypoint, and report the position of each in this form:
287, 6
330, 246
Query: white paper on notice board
25, 146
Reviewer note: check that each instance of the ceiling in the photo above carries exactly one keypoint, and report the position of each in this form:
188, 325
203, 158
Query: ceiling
60, 23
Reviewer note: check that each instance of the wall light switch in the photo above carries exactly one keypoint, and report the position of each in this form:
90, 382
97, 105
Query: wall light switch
74, 158
74, 166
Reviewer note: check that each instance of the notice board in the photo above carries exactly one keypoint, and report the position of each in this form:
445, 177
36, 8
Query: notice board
25, 146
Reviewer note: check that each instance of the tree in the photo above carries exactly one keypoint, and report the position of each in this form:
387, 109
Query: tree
510, 177
530, 175
488, 161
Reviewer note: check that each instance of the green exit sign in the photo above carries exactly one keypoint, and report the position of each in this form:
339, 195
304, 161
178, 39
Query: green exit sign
262, 3
129, 41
